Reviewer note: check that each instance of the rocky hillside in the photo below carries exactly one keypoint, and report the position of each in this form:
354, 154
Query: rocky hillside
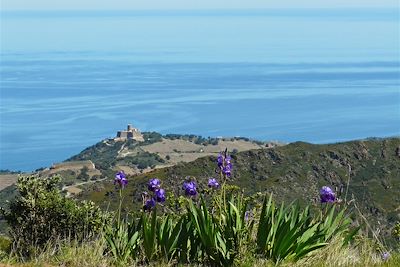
294, 172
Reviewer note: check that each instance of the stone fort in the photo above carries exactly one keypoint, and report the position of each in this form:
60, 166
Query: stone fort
130, 133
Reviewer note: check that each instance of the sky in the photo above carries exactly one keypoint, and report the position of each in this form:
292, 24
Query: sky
11, 5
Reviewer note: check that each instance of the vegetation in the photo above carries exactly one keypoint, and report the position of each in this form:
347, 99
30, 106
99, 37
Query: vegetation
141, 160
102, 154
238, 218
295, 172
151, 138
211, 224
197, 139
83, 175
40, 213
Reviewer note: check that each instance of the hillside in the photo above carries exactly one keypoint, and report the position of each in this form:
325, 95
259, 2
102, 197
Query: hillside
103, 159
100, 161
294, 171
159, 150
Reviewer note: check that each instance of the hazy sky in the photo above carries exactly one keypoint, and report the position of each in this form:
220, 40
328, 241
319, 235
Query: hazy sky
187, 4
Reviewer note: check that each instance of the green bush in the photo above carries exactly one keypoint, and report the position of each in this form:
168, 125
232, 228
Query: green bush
142, 160
83, 175
41, 213
151, 137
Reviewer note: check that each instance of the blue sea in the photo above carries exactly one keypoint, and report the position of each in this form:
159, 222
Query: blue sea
71, 79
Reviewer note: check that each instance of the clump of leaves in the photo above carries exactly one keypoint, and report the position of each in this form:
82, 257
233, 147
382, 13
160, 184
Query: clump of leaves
221, 230
289, 233
123, 239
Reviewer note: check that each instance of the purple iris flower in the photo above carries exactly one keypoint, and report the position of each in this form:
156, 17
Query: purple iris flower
213, 183
327, 195
220, 160
228, 160
224, 163
120, 179
227, 171
151, 203
160, 195
190, 188
153, 184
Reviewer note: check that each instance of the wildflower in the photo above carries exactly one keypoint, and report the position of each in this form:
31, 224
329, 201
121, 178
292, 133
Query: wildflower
385, 256
213, 183
224, 163
120, 179
160, 195
220, 160
190, 188
227, 171
153, 184
228, 160
327, 195
149, 204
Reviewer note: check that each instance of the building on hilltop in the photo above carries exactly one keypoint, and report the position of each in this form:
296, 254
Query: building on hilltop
130, 133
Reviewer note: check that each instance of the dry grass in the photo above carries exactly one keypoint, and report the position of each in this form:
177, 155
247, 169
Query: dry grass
185, 151
72, 166
7, 180
65, 253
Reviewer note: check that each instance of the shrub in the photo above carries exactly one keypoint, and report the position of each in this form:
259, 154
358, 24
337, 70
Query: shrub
151, 137
142, 160
41, 213
83, 175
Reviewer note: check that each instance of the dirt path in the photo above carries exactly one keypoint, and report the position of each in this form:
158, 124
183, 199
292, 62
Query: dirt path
120, 150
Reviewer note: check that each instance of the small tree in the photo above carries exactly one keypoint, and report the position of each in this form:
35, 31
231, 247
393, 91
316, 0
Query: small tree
83, 175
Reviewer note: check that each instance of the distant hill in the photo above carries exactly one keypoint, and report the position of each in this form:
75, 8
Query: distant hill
159, 150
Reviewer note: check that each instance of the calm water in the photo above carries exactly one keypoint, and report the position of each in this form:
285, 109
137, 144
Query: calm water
69, 80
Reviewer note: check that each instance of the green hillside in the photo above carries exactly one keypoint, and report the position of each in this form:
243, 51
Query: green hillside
294, 171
